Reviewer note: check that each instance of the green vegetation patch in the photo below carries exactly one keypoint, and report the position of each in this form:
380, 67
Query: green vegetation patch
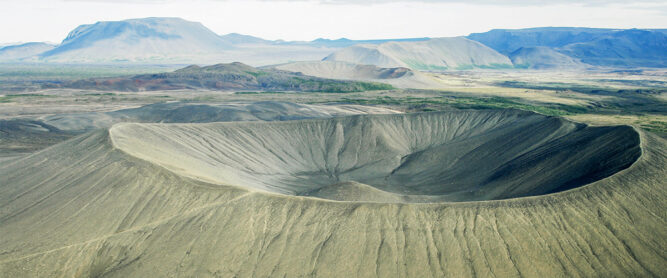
449, 102
101, 94
422, 66
257, 73
655, 126
489, 66
10, 97
580, 88
330, 85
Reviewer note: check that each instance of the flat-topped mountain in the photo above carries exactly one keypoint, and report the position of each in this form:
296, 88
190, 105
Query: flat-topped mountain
137, 40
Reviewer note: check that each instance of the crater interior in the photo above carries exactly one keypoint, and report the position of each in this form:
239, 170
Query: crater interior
427, 157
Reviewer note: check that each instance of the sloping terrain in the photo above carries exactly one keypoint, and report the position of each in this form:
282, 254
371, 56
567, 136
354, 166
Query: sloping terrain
507, 41
240, 39
233, 76
397, 77
19, 136
433, 54
199, 112
93, 209
18, 52
540, 57
456, 156
634, 48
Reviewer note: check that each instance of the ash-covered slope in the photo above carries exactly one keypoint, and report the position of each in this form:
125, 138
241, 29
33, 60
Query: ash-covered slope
201, 112
22, 136
398, 77
233, 76
433, 54
93, 210
18, 136
456, 156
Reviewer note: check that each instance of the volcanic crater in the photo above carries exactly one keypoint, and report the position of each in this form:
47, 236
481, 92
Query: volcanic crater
455, 156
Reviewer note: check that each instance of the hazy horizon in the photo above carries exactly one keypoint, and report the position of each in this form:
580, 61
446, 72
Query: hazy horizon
331, 19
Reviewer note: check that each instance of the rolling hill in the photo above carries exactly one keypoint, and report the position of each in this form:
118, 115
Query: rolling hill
233, 76
398, 77
433, 54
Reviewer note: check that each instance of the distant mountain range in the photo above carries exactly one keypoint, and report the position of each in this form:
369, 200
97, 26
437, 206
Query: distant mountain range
596, 47
240, 39
177, 41
170, 41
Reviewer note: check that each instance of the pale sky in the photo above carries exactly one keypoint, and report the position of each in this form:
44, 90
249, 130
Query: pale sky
51, 20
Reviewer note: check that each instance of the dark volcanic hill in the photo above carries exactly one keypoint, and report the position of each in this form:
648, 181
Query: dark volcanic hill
233, 76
